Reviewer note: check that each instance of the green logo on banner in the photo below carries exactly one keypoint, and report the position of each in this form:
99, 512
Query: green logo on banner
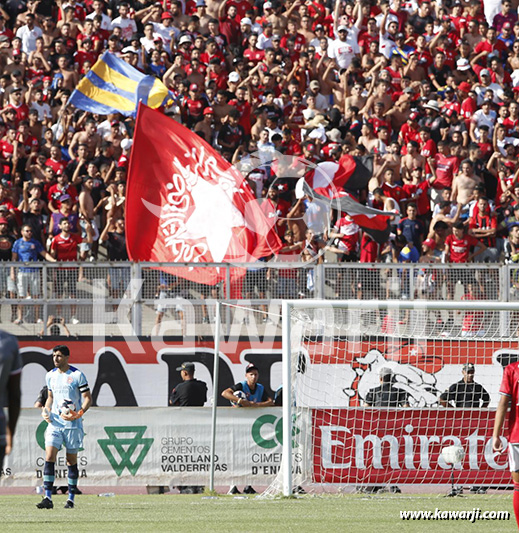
126, 447
273, 439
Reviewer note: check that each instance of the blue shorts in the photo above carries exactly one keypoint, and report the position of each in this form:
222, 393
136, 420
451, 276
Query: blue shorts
71, 438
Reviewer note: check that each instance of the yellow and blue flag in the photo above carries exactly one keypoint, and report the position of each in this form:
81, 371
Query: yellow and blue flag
114, 86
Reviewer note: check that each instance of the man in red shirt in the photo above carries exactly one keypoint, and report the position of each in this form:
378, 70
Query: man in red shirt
55, 160
17, 103
64, 247
447, 166
58, 190
509, 391
483, 226
458, 250
369, 279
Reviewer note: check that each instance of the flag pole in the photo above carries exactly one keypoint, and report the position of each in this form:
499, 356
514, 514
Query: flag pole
215, 394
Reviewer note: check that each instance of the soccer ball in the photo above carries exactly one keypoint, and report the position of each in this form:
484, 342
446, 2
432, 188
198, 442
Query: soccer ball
239, 394
66, 406
453, 455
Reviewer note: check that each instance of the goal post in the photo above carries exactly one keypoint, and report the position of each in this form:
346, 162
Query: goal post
334, 353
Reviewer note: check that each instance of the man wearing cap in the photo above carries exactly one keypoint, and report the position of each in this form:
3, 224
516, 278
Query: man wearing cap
191, 392
165, 29
205, 127
387, 394
466, 392
256, 395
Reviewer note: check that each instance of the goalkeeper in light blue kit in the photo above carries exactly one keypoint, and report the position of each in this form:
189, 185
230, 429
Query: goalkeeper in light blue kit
69, 398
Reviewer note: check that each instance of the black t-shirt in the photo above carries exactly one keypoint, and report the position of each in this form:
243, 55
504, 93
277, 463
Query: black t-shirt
419, 22
37, 223
43, 395
191, 393
6, 247
440, 74
232, 135
386, 395
116, 245
466, 394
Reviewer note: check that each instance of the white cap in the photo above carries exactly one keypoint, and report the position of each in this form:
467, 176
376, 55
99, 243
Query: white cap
246, 20
234, 77
342, 27
128, 49
462, 64
184, 39
126, 144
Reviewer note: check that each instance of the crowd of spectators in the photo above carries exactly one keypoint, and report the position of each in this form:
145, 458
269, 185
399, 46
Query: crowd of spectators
428, 89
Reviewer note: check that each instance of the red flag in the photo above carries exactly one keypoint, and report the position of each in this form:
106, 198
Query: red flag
186, 204
330, 178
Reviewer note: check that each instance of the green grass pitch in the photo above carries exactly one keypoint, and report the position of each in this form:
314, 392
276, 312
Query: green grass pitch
183, 513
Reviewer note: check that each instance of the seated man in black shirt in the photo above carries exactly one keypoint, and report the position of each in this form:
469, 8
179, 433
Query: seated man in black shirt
191, 393
387, 394
466, 393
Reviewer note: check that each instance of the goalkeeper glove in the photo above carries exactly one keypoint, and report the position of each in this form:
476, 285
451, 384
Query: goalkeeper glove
77, 414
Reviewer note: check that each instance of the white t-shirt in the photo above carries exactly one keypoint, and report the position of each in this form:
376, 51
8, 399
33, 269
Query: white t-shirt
29, 37
44, 110
484, 120
106, 23
344, 51
167, 34
386, 45
264, 42
127, 25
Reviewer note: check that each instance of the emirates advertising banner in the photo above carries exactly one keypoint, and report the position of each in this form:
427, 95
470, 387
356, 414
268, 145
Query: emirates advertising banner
379, 446
156, 446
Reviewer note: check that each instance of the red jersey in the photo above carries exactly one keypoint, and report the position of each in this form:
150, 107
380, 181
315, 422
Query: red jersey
408, 133
55, 192
242, 6
486, 221
6, 151
254, 56
57, 166
423, 206
369, 250
66, 247
349, 234
459, 249
510, 387
245, 110
298, 45
512, 126
446, 168
22, 112
394, 191
298, 118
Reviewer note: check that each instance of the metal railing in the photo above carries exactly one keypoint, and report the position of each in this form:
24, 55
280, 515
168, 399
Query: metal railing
142, 299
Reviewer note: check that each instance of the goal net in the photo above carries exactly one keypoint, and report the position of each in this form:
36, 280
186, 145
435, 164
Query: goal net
375, 390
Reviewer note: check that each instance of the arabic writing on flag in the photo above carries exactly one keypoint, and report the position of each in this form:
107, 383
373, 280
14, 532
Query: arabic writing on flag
186, 204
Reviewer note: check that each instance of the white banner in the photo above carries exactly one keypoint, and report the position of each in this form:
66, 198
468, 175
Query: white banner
156, 446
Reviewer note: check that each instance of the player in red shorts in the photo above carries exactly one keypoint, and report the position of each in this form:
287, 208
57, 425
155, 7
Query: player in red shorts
509, 390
